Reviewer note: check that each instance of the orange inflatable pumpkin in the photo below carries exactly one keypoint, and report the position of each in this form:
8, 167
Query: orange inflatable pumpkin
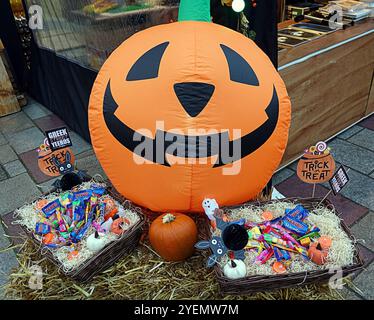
189, 110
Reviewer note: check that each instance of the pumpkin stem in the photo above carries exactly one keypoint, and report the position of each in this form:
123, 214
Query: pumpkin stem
167, 218
233, 264
196, 10
97, 235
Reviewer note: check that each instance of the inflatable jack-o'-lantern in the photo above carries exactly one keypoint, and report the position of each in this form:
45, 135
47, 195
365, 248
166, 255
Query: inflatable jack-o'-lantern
189, 110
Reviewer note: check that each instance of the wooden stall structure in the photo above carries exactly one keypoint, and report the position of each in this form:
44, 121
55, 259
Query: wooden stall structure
8, 100
330, 82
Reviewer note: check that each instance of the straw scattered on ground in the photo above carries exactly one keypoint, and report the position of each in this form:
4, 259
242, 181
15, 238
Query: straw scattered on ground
141, 275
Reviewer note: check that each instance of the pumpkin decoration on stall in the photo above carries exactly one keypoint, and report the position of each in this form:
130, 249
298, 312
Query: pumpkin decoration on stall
189, 110
120, 225
318, 251
235, 269
48, 238
46, 156
41, 203
173, 236
96, 242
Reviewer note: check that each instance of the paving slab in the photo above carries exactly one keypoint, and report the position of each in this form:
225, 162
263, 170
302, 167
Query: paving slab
92, 165
8, 260
350, 132
349, 211
17, 191
46, 187
49, 122
79, 144
14, 168
282, 175
364, 230
14, 123
26, 140
368, 123
3, 175
366, 254
360, 189
7, 154
35, 110
364, 138
85, 154
365, 282
2, 139
30, 161
352, 155
348, 294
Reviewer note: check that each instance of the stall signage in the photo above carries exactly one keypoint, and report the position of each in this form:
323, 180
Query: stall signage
339, 180
58, 138
316, 165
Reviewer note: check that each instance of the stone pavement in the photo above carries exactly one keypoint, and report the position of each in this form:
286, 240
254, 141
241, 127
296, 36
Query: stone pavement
21, 182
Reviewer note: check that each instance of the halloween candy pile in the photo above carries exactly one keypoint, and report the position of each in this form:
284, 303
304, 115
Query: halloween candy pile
77, 224
285, 237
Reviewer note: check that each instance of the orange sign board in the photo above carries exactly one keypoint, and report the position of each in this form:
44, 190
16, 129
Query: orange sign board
47, 161
316, 165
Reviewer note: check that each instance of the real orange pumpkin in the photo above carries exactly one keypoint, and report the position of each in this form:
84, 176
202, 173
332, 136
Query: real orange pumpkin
173, 236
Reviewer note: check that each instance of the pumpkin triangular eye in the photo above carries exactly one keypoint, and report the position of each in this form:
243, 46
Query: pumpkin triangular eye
147, 66
240, 70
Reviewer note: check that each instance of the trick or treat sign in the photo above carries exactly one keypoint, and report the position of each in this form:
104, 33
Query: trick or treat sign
55, 163
316, 165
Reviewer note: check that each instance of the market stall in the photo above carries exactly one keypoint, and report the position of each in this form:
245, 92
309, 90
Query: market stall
177, 218
329, 80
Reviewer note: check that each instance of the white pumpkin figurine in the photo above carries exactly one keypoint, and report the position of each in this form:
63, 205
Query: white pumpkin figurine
96, 242
235, 269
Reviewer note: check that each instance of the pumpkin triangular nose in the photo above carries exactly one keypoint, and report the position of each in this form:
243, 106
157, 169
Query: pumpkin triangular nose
193, 96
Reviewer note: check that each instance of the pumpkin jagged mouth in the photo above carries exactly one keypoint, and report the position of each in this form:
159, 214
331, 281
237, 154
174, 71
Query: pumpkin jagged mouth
202, 146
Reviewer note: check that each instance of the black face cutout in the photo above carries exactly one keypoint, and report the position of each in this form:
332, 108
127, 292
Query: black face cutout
240, 70
194, 96
235, 237
203, 148
148, 65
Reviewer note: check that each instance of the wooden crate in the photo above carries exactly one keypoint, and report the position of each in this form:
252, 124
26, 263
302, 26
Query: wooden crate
8, 100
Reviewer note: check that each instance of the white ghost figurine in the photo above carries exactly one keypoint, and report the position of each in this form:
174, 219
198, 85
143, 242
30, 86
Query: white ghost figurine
210, 205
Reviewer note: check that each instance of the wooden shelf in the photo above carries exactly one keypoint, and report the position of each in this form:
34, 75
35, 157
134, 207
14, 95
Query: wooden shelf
330, 82
291, 54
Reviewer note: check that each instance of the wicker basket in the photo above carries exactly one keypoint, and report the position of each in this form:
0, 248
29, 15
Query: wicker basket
259, 283
107, 256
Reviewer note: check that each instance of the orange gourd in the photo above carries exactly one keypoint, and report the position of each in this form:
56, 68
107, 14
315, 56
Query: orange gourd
120, 225
48, 238
173, 236
318, 251
41, 203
